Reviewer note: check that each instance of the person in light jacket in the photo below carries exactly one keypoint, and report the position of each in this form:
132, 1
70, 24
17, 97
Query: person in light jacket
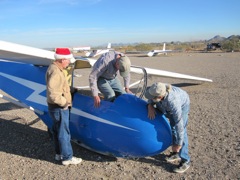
59, 101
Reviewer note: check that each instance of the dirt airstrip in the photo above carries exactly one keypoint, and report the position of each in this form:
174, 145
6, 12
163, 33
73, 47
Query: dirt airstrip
26, 152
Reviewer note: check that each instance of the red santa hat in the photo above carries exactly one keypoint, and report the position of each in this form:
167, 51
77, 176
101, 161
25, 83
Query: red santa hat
64, 53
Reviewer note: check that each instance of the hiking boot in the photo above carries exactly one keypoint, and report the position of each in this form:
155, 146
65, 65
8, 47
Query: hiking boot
74, 161
174, 156
58, 157
182, 167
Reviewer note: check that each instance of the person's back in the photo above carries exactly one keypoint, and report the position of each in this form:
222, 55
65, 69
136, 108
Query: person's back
103, 76
174, 100
174, 103
103, 67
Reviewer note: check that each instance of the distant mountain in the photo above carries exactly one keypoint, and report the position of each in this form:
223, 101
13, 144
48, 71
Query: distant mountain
219, 39
216, 39
234, 37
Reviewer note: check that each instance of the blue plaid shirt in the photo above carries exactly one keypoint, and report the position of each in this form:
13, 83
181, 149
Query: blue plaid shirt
171, 106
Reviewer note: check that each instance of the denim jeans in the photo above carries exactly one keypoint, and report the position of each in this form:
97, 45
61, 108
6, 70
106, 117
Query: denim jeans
184, 150
110, 88
61, 132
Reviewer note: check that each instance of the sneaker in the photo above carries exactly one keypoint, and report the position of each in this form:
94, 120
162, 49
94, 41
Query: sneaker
74, 161
174, 156
58, 157
182, 167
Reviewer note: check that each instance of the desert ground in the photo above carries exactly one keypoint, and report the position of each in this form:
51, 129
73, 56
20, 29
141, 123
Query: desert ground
26, 151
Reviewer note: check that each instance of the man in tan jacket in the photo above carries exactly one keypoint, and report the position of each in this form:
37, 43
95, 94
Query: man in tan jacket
59, 104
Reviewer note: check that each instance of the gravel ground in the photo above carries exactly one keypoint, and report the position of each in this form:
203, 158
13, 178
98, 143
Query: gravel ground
26, 151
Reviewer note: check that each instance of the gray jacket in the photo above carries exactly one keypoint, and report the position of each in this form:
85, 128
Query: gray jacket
105, 68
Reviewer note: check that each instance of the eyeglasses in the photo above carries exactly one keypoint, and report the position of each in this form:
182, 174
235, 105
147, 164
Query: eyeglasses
69, 60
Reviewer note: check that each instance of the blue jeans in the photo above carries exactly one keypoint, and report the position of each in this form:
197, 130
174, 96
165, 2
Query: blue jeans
184, 150
110, 88
61, 132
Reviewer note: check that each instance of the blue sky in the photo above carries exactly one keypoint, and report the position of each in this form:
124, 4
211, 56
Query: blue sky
67, 23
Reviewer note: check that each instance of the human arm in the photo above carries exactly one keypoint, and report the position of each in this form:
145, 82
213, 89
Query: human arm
126, 81
97, 101
176, 148
93, 85
128, 90
151, 111
98, 69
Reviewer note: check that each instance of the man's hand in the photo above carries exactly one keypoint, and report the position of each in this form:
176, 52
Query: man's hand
176, 148
151, 112
128, 91
97, 101
67, 106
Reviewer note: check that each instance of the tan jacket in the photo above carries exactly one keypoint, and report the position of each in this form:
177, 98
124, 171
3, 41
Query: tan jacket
58, 90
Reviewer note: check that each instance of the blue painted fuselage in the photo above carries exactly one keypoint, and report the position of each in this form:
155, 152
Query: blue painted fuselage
120, 128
